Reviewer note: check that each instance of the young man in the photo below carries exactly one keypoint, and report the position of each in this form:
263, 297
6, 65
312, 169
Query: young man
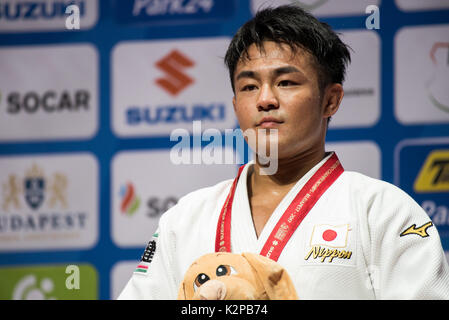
339, 234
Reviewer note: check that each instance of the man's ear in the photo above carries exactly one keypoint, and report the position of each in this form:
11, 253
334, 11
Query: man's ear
333, 94
233, 102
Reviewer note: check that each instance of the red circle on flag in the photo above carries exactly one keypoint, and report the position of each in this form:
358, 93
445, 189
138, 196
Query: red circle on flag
329, 235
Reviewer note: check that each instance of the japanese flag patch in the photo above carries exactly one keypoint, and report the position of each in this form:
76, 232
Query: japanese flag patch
330, 236
330, 244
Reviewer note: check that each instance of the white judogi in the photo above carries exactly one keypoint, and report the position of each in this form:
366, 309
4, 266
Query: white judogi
349, 246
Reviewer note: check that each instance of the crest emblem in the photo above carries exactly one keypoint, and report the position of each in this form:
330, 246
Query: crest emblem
34, 187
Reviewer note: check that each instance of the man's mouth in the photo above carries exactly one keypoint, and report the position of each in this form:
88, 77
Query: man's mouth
269, 122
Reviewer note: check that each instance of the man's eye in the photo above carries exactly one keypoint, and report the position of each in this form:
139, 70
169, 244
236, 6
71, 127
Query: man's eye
285, 83
249, 87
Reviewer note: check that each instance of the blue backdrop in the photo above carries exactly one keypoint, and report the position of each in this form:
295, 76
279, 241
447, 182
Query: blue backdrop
405, 140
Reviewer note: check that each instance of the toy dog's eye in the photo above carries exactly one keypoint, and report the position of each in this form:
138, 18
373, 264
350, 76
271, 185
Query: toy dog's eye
201, 278
223, 270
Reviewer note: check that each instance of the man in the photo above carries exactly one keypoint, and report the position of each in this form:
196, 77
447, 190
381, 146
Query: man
339, 234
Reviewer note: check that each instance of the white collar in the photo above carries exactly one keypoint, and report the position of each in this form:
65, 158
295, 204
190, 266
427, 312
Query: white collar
243, 232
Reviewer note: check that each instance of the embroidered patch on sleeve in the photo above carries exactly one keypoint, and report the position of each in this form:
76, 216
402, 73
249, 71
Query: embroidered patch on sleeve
420, 231
147, 257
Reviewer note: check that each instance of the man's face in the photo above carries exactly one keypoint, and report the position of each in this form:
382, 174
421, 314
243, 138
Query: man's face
276, 89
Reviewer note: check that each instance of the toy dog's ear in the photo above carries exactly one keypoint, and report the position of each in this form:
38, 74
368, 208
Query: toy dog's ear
182, 291
273, 276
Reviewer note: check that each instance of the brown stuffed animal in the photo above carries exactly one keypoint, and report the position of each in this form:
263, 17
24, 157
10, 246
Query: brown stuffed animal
228, 276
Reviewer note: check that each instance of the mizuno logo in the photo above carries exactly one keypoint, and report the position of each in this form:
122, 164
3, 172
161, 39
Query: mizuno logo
175, 80
421, 231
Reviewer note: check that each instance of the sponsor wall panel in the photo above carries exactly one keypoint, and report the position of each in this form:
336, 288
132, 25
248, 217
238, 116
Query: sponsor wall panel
422, 99
321, 7
86, 117
49, 202
161, 12
360, 106
140, 196
57, 100
49, 282
120, 275
160, 86
38, 16
417, 5
422, 170
360, 156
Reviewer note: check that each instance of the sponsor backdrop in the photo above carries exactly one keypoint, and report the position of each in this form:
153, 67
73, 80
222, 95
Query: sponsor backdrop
91, 108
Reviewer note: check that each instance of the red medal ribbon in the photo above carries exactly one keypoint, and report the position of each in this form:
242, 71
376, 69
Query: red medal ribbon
292, 217
223, 238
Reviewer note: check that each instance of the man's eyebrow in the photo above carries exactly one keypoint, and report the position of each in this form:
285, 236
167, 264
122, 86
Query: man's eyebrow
285, 70
246, 74
276, 72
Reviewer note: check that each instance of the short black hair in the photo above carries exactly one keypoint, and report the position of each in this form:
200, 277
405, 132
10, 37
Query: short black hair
291, 25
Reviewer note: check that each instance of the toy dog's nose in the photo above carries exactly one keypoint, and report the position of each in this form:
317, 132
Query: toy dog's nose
212, 290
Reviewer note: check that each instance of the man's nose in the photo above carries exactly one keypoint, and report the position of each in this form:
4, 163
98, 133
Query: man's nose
267, 99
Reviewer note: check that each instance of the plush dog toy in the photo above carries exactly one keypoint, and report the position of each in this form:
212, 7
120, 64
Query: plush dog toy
228, 276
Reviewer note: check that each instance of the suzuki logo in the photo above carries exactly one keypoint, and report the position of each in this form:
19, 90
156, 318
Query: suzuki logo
175, 81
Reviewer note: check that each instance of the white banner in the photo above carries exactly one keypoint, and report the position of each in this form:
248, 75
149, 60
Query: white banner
48, 92
48, 202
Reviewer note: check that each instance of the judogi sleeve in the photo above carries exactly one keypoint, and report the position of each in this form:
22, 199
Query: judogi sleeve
153, 278
408, 259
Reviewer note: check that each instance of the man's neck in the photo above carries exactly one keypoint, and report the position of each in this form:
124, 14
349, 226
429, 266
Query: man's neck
290, 170
266, 191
